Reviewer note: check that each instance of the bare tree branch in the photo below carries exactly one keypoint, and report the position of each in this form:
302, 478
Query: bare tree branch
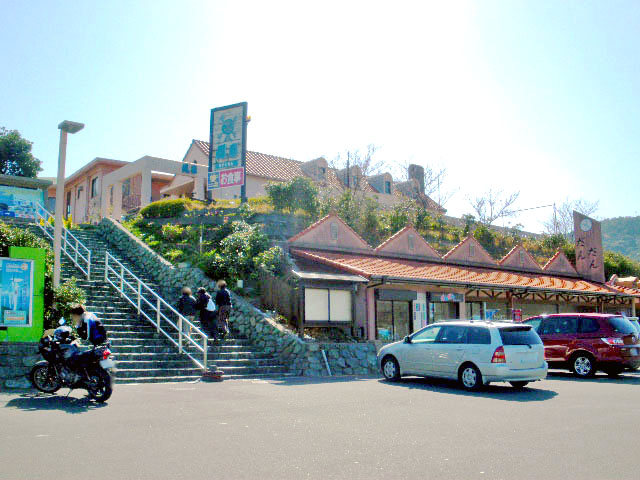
493, 205
562, 220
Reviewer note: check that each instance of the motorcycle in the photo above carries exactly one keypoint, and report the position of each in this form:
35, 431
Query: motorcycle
64, 365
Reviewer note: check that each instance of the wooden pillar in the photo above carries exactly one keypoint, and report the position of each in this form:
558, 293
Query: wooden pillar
633, 307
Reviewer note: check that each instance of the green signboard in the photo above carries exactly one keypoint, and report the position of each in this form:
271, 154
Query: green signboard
16, 292
22, 295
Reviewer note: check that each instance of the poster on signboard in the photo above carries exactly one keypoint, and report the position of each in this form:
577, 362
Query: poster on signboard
227, 152
16, 292
19, 202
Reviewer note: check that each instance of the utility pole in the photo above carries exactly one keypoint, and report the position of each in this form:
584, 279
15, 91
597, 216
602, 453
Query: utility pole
348, 172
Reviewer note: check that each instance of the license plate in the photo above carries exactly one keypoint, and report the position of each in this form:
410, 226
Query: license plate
108, 363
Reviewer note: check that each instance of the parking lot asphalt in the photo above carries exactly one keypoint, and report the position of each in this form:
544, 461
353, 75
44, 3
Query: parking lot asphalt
351, 428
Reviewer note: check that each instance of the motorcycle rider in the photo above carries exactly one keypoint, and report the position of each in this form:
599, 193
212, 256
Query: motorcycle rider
88, 326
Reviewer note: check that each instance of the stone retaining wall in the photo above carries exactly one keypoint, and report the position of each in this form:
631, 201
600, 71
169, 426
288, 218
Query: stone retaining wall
302, 357
16, 360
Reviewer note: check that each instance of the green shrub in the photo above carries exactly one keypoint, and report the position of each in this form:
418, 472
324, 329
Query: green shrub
172, 233
174, 255
65, 296
271, 260
169, 208
297, 194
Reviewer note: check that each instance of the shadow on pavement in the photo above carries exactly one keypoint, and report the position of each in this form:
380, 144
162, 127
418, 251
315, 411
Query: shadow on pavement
498, 392
624, 378
291, 381
40, 401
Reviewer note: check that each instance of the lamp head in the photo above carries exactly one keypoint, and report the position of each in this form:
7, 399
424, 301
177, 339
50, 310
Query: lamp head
71, 127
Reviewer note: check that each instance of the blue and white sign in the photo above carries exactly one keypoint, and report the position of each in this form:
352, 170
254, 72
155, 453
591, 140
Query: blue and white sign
227, 142
19, 202
16, 292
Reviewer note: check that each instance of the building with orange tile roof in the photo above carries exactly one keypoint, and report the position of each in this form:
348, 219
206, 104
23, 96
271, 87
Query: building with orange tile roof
404, 284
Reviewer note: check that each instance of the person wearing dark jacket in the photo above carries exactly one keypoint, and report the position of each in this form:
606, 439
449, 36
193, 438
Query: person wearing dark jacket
223, 301
207, 316
187, 307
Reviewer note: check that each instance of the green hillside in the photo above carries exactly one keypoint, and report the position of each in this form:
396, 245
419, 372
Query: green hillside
622, 235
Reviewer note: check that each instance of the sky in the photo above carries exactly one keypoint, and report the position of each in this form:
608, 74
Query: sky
538, 97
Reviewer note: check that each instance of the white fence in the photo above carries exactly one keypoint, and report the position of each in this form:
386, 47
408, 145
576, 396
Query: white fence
134, 291
71, 246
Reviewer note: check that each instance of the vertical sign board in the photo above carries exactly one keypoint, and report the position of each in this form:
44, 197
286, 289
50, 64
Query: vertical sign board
589, 255
16, 292
228, 147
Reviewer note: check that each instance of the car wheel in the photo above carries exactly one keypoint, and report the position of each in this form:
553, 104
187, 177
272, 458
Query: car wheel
519, 385
583, 365
391, 369
470, 377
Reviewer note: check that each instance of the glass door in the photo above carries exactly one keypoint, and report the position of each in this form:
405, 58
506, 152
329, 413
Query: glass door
393, 320
401, 319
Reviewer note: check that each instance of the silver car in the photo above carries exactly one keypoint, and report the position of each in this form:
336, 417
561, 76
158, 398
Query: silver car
474, 352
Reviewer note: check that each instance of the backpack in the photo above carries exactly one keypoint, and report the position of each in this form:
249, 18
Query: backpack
211, 306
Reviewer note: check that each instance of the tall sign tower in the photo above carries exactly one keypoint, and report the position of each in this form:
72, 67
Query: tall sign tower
589, 254
228, 148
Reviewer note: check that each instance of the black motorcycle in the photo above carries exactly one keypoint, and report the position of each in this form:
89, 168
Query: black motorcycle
65, 365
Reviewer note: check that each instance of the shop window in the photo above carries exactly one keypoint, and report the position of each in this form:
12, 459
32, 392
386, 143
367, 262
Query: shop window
68, 204
80, 190
392, 320
327, 305
94, 187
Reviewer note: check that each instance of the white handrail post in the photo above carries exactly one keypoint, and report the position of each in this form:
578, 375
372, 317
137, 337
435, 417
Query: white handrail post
139, 295
106, 265
180, 333
76, 255
205, 347
121, 278
89, 266
64, 244
158, 313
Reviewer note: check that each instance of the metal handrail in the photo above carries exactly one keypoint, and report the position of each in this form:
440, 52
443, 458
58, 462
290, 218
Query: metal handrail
73, 248
137, 290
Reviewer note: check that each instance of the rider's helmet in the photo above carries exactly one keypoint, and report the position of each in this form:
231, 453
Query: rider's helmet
62, 333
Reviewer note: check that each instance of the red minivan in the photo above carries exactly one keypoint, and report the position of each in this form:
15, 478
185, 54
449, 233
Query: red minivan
587, 342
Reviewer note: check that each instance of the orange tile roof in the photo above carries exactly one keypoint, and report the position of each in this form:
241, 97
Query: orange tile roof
264, 165
626, 290
373, 266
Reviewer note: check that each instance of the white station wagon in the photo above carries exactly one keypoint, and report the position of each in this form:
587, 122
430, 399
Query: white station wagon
474, 352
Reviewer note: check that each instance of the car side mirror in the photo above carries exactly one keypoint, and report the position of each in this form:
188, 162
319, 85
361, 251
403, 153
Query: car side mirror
407, 339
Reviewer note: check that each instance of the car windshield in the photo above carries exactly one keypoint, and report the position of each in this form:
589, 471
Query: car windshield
622, 325
521, 335
636, 325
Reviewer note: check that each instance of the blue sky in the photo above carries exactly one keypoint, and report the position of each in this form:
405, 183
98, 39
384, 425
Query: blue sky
540, 97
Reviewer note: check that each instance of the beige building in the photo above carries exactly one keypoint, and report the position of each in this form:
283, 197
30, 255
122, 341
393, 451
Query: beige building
262, 169
107, 187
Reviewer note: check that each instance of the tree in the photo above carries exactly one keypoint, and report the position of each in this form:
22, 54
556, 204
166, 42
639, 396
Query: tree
352, 166
562, 220
493, 205
297, 194
15, 155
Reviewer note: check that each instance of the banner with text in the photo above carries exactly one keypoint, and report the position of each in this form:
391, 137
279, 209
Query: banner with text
16, 292
227, 150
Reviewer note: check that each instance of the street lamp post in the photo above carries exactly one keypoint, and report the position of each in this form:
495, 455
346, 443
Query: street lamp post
65, 127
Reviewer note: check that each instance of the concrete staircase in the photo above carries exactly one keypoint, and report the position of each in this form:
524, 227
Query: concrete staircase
141, 354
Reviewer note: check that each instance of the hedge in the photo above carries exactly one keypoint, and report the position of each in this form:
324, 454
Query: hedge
169, 208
